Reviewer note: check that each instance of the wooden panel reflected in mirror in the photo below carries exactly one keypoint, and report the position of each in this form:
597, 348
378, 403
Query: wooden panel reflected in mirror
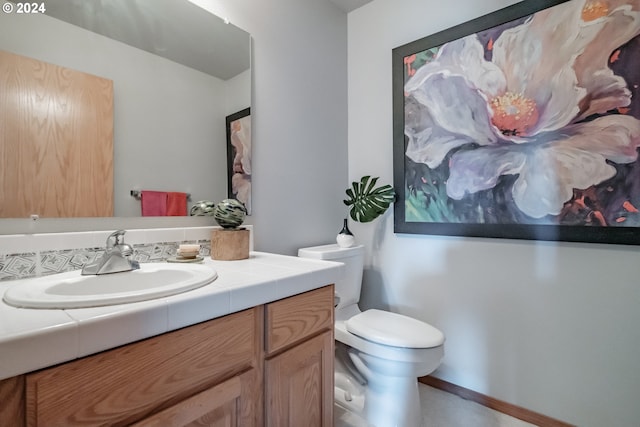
56, 140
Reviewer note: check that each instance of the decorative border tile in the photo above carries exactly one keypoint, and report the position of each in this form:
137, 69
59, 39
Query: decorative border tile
156, 252
18, 266
53, 262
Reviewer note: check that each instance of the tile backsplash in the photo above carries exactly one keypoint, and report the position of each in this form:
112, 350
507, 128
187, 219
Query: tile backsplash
31, 255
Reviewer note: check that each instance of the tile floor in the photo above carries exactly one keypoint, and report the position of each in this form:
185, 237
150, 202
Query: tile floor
442, 409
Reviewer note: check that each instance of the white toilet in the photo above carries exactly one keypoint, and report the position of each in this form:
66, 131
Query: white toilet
379, 354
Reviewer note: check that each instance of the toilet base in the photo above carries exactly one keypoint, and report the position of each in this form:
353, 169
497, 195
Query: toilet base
374, 409
364, 399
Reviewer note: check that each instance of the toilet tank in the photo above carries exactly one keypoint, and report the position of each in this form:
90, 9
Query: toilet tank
348, 287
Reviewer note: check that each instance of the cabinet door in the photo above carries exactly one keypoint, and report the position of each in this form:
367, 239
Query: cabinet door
229, 404
299, 385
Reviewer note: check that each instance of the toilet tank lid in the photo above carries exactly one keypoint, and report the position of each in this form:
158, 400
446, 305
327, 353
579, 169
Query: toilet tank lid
393, 329
330, 252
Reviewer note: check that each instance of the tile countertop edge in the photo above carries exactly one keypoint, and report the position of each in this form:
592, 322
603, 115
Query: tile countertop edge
65, 328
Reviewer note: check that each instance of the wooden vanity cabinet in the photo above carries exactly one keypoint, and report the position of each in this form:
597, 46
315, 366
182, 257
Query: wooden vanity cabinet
269, 365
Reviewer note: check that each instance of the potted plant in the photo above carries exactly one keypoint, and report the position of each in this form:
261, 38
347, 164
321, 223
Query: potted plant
366, 202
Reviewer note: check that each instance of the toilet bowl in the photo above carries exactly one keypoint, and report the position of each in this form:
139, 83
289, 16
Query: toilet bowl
379, 354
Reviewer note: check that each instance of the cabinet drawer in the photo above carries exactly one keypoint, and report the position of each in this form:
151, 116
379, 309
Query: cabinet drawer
120, 386
294, 319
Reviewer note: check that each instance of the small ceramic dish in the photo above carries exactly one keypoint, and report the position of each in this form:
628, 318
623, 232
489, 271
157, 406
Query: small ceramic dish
182, 259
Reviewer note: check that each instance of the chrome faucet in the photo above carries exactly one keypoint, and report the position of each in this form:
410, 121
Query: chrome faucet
115, 258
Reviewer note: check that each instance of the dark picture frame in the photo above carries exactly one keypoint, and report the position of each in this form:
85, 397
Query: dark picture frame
502, 129
239, 147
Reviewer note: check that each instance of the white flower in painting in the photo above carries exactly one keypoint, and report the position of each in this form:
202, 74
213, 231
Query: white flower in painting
523, 112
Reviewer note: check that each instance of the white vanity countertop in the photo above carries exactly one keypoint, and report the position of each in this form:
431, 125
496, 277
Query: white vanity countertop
32, 339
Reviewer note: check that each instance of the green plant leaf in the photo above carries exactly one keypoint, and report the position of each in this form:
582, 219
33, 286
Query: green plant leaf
365, 202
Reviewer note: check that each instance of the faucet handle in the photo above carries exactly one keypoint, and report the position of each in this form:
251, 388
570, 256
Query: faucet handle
115, 238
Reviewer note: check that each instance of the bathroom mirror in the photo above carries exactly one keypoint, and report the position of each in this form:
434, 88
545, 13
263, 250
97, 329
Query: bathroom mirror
178, 71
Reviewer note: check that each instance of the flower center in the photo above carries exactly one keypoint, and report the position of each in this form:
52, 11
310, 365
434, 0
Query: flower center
514, 114
594, 10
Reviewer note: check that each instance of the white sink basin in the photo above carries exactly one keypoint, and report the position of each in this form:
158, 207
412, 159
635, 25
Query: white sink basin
72, 290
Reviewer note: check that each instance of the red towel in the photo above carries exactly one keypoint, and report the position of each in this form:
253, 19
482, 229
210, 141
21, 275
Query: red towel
153, 203
176, 204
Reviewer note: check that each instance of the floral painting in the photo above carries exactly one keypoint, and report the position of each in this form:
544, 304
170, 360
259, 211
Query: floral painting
522, 124
239, 157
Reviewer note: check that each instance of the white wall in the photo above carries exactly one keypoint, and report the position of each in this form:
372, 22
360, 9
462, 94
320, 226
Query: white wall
552, 327
238, 92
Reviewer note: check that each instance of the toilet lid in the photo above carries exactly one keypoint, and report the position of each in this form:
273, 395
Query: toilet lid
393, 329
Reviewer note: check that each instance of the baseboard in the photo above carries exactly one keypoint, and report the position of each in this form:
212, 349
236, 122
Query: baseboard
495, 404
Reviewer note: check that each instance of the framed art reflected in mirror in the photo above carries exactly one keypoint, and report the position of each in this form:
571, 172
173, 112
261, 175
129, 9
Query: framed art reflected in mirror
524, 123
239, 157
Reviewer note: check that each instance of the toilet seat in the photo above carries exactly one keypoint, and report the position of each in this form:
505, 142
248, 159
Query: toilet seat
393, 329
399, 354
